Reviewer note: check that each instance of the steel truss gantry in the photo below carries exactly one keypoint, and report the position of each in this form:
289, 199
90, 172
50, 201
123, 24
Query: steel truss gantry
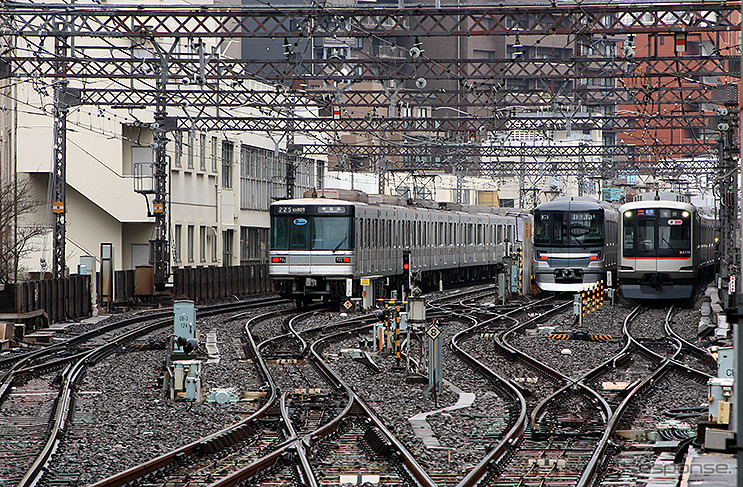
154, 57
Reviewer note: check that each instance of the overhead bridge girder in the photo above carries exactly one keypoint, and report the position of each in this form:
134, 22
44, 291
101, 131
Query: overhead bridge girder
235, 21
235, 95
490, 72
468, 125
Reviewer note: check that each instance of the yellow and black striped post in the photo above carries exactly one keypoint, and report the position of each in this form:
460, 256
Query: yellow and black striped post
521, 270
591, 298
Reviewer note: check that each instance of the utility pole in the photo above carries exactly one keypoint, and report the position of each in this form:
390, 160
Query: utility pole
160, 254
729, 243
59, 176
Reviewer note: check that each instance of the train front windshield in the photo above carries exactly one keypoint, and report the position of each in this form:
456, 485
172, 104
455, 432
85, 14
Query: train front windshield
311, 228
569, 228
657, 232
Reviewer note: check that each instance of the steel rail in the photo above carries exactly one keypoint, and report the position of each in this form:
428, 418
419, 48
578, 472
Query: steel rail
510, 439
215, 441
22, 363
666, 362
414, 468
478, 471
354, 400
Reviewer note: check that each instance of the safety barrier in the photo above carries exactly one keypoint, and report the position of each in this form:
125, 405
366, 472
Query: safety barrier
61, 299
202, 284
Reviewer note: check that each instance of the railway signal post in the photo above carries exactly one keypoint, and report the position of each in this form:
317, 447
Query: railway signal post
435, 374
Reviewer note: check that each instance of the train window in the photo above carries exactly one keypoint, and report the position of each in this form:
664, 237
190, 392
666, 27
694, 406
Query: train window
280, 233
499, 234
674, 234
646, 235
331, 233
299, 233
361, 233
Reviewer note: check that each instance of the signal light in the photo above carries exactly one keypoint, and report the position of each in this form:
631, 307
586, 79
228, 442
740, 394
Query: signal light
406, 260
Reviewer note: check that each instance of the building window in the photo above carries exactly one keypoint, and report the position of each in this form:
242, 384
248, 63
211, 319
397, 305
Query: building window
177, 244
189, 242
214, 154
214, 244
227, 237
505, 202
202, 152
202, 243
178, 149
320, 177
190, 149
228, 148
253, 249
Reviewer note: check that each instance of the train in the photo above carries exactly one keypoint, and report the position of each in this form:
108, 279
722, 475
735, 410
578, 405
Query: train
335, 244
575, 243
667, 247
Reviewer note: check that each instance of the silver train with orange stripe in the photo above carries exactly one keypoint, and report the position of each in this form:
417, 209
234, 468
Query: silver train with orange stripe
325, 244
667, 247
574, 243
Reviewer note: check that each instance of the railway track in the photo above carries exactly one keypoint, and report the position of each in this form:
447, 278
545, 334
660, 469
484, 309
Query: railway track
663, 364
313, 428
34, 378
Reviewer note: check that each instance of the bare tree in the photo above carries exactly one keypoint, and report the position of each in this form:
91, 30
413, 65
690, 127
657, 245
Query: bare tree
16, 240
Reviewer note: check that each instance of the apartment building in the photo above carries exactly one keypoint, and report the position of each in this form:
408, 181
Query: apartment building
220, 184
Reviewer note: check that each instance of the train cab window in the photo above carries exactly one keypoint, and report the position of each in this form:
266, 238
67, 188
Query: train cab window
299, 233
331, 233
568, 228
646, 235
280, 233
674, 233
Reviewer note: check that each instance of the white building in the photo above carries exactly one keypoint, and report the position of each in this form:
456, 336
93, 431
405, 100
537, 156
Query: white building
220, 183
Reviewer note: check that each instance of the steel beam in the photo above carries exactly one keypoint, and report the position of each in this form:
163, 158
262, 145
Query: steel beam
59, 175
689, 69
465, 124
236, 21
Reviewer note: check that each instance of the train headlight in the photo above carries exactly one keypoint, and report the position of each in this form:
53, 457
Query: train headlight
342, 260
627, 214
278, 260
685, 214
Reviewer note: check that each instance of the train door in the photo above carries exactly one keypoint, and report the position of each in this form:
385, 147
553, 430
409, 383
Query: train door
639, 241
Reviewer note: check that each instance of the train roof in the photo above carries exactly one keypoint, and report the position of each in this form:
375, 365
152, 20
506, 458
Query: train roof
576, 203
657, 204
358, 198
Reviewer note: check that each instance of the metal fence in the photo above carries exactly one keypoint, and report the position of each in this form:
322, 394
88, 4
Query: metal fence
67, 298
203, 284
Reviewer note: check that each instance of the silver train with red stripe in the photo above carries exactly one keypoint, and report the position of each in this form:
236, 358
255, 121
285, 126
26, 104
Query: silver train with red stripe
574, 243
666, 248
